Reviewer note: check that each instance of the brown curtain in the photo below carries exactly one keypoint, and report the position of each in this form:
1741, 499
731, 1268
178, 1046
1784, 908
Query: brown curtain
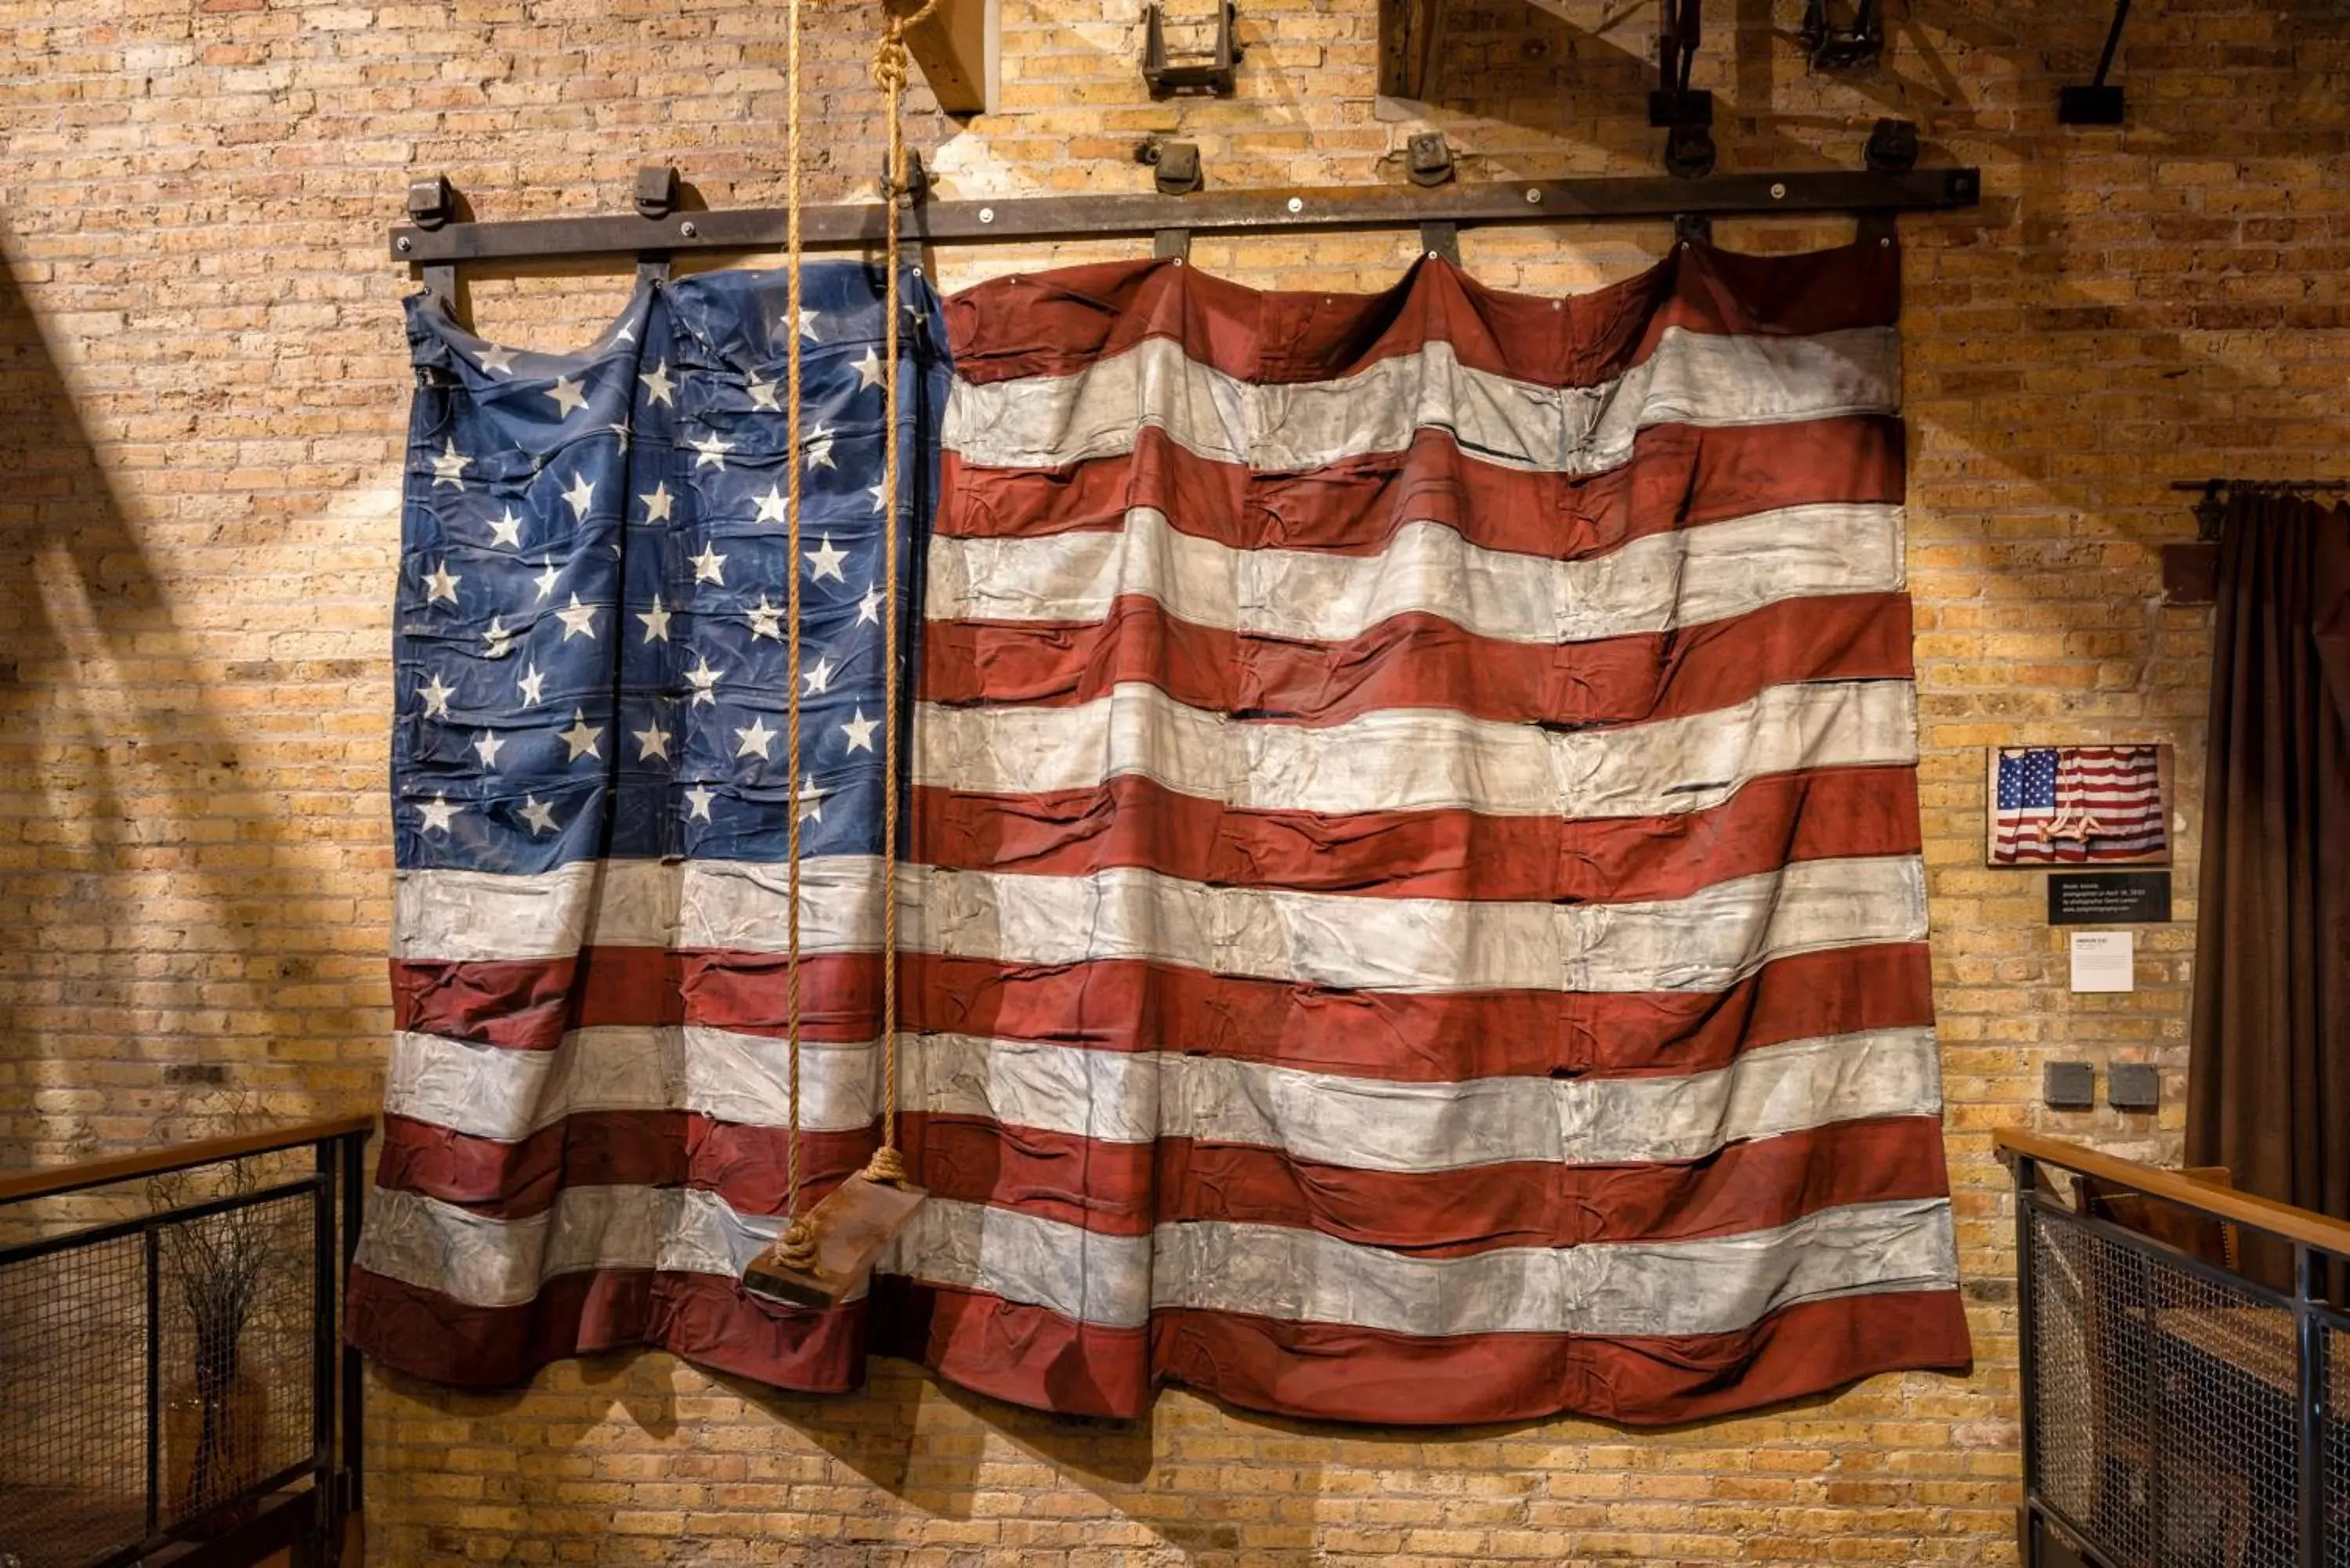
2269, 1082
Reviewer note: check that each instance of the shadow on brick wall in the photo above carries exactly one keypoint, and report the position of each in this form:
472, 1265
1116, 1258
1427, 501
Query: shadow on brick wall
123, 925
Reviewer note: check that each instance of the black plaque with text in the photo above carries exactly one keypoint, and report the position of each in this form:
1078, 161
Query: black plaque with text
2108, 898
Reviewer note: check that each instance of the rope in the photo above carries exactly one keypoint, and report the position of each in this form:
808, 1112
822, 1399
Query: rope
798, 1242
892, 68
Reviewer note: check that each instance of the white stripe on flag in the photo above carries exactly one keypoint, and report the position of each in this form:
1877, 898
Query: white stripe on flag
454, 916
1711, 1285
1651, 585
1705, 942
1372, 1124
1689, 377
1417, 759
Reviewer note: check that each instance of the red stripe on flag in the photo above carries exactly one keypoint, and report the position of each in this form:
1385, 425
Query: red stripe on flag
1130, 1005
1063, 322
1327, 1371
1121, 1189
1420, 661
1825, 814
1678, 476
529, 1003
427, 1334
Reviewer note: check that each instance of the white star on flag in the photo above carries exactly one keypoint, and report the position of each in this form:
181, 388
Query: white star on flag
581, 737
819, 447
697, 801
868, 369
582, 496
499, 361
825, 562
754, 741
766, 619
704, 681
811, 799
657, 386
442, 586
568, 397
498, 637
487, 746
859, 730
807, 326
763, 394
437, 813
436, 697
711, 451
540, 816
656, 621
530, 685
449, 467
880, 493
817, 676
870, 607
547, 579
709, 565
657, 504
506, 530
650, 743
579, 621
771, 504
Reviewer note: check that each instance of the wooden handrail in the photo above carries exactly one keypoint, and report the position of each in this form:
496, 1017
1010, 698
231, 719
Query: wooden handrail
49, 1180
2301, 1225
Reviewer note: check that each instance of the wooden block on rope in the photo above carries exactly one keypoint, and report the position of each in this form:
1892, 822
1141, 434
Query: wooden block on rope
851, 1226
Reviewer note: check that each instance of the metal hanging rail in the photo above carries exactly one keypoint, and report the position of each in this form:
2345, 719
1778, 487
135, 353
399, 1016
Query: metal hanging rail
1035, 218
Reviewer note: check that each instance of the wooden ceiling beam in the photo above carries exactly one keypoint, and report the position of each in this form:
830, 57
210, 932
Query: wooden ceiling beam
956, 48
1412, 49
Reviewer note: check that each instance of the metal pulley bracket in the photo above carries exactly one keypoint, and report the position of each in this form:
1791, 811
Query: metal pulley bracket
1211, 73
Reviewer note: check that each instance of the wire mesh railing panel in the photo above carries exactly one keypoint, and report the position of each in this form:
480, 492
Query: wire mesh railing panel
2166, 1404
2094, 1407
2335, 1462
237, 1344
73, 1404
2229, 1436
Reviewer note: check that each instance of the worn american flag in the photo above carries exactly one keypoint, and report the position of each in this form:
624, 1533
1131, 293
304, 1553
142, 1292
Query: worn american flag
2074, 804
1423, 917
1414, 910
591, 790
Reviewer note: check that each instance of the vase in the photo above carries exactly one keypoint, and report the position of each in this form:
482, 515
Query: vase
215, 1441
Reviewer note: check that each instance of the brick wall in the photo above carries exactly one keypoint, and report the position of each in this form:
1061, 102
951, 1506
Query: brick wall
201, 394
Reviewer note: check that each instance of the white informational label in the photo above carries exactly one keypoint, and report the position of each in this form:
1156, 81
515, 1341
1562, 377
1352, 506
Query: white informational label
2105, 961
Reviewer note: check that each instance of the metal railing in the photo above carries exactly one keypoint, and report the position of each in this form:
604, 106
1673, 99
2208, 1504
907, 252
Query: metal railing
172, 1373
2186, 1369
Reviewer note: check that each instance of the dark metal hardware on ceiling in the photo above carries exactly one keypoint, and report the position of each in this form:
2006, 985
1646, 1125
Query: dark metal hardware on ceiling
918, 181
2099, 102
448, 240
1685, 113
657, 190
1831, 46
1892, 147
430, 202
1211, 72
1175, 168
1427, 158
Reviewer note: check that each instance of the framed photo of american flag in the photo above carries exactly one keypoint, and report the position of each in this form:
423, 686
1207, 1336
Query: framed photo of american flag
2075, 806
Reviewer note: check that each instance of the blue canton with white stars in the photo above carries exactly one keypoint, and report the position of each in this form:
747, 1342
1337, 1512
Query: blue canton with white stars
2027, 779
590, 635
